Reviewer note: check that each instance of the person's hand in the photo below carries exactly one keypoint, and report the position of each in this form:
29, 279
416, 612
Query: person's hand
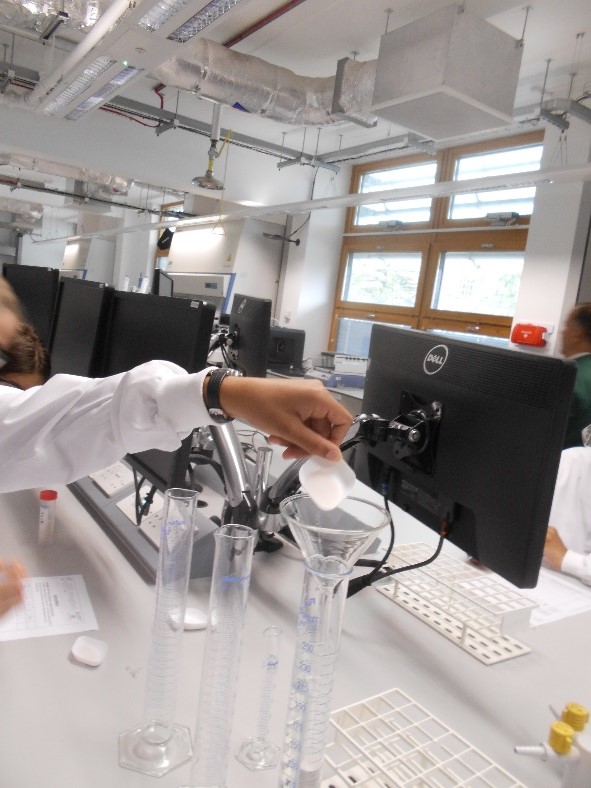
554, 549
300, 414
11, 590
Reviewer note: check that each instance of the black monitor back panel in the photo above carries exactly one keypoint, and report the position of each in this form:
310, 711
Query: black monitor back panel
37, 289
147, 327
80, 326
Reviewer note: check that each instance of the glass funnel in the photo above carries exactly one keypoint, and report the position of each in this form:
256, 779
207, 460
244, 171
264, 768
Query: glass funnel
330, 541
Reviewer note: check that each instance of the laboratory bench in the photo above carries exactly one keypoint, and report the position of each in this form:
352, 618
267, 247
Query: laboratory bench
61, 719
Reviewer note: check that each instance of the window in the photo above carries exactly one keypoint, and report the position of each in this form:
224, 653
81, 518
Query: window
446, 264
406, 211
477, 282
379, 278
504, 162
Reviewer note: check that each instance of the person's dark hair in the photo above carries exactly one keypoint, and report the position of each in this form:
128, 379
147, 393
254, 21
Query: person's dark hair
27, 354
582, 315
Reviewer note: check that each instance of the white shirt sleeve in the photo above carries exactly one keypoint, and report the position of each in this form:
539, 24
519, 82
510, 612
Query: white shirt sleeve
571, 511
72, 426
578, 565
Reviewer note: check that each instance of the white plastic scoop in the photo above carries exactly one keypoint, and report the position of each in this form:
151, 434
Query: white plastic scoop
326, 482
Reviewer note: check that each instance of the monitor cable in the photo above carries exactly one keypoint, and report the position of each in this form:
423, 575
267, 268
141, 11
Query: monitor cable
197, 458
359, 583
142, 507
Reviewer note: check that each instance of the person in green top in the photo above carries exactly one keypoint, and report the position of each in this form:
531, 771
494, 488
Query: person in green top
576, 346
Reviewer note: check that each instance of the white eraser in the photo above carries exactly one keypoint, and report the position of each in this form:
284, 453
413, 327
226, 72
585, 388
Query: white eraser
89, 651
326, 482
195, 618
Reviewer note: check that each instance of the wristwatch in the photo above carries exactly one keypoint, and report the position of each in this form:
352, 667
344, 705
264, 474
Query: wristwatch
212, 393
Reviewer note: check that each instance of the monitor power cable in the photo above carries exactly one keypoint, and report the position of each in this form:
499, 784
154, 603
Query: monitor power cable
359, 583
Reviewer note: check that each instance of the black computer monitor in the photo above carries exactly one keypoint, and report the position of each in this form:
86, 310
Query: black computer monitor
162, 284
286, 348
147, 327
37, 289
488, 425
250, 330
80, 325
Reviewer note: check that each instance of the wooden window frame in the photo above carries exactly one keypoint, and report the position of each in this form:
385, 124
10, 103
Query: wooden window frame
448, 165
431, 238
389, 164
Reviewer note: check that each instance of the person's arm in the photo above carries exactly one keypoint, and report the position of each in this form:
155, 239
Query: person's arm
301, 415
11, 589
72, 426
558, 557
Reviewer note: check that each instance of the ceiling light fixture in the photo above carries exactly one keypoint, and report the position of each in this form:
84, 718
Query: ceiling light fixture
164, 10
201, 20
108, 90
79, 85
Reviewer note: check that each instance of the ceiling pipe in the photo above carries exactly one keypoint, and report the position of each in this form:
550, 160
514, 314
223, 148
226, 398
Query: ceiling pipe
263, 22
111, 16
442, 189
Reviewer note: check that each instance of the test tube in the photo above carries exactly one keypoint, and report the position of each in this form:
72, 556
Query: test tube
47, 499
234, 547
157, 744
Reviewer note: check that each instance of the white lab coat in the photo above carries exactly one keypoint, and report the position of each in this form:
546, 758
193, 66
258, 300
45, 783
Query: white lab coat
72, 426
571, 511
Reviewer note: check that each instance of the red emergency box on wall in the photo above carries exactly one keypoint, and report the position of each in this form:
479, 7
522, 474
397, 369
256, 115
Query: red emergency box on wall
528, 334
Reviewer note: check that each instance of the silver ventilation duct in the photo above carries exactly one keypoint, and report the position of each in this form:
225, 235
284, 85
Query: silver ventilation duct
100, 183
37, 16
30, 211
244, 81
448, 73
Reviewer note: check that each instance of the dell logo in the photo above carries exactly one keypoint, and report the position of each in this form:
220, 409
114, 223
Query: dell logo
435, 359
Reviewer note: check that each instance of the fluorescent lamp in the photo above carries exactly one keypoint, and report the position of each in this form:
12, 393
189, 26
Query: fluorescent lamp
160, 13
208, 14
103, 94
164, 10
82, 82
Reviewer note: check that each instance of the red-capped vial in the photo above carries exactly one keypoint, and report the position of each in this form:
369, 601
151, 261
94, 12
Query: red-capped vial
47, 500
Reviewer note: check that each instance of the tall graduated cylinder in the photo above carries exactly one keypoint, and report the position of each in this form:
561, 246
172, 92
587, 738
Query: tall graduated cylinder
318, 635
157, 744
234, 547
330, 541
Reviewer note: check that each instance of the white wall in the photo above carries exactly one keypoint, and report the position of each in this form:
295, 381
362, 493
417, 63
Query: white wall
204, 251
258, 262
134, 255
46, 255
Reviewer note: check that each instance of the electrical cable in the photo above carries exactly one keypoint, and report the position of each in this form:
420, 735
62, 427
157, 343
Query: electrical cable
359, 583
203, 459
142, 507
138, 505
